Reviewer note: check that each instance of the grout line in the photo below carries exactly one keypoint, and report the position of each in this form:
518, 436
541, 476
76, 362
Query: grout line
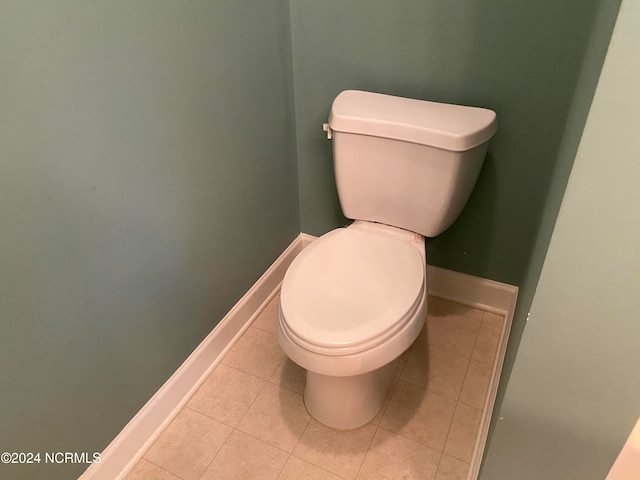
280, 385
161, 468
242, 371
262, 312
392, 390
366, 452
252, 402
471, 406
262, 441
283, 466
438, 466
475, 341
466, 373
486, 363
217, 453
458, 400
304, 430
317, 466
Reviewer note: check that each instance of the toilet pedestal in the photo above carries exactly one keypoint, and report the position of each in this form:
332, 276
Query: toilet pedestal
345, 403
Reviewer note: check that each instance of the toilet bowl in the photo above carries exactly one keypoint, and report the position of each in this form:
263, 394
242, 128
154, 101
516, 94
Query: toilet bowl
350, 304
356, 298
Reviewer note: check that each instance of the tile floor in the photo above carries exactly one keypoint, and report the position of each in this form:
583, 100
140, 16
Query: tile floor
248, 418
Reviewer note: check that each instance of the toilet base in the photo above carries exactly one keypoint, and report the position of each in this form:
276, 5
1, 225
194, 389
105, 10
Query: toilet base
345, 403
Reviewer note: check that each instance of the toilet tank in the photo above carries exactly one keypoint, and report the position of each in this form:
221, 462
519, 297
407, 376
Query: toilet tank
407, 163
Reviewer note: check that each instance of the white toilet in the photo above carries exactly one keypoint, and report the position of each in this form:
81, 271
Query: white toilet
356, 298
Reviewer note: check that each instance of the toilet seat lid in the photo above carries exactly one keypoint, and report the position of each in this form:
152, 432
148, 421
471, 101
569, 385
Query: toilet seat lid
351, 286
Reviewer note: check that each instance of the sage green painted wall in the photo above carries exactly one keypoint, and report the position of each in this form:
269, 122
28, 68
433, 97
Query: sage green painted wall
589, 73
573, 394
521, 59
147, 179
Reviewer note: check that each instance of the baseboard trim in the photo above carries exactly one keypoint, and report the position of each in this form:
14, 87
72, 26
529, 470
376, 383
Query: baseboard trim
476, 292
121, 455
126, 449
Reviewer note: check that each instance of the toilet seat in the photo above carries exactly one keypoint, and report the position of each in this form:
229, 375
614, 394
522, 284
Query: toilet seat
351, 290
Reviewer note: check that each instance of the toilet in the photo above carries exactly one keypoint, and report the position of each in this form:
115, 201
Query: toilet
356, 298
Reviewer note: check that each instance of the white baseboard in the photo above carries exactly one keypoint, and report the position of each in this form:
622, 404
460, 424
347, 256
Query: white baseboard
121, 455
138, 435
477, 292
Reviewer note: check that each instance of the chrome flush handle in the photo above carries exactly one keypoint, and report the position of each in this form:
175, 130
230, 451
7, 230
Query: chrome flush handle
327, 128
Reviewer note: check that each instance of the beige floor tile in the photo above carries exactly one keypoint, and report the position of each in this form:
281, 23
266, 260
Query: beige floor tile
245, 458
493, 319
290, 376
145, 470
340, 452
419, 415
268, 318
439, 307
188, 444
394, 457
476, 384
462, 435
259, 391
453, 333
256, 353
401, 361
378, 418
416, 360
226, 394
487, 344
435, 369
277, 417
452, 469
297, 469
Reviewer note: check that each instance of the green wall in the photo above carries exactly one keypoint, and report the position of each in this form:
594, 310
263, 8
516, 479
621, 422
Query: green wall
521, 59
573, 394
583, 93
156, 156
147, 179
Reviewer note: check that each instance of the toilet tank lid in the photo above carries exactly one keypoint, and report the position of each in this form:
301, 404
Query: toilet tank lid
451, 127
